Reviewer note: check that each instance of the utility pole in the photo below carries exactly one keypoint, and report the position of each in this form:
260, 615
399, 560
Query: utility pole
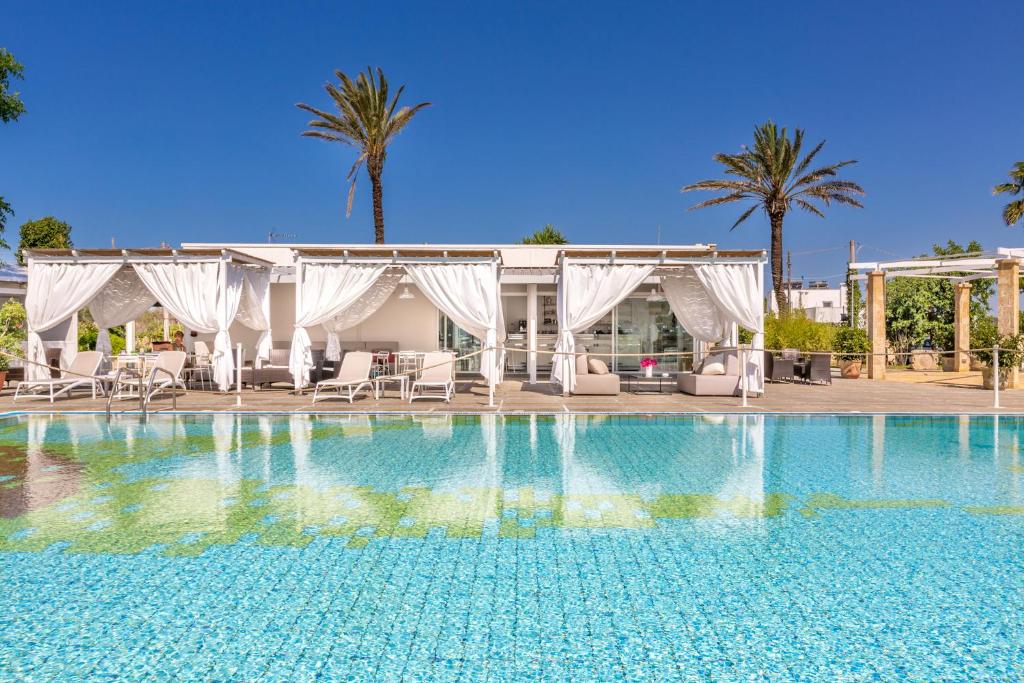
851, 301
789, 279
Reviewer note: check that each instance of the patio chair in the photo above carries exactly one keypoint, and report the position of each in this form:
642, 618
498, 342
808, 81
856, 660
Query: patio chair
82, 372
202, 368
818, 369
171, 364
438, 373
353, 375
778, 369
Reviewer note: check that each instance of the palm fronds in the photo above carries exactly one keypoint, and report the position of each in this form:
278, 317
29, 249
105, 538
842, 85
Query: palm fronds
367, 118
1014, 211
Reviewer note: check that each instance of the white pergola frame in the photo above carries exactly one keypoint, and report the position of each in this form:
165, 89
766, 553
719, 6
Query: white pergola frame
130, 257
398, 258
668, 259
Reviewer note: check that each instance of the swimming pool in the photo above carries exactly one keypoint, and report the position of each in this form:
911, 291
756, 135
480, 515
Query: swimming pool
529, 547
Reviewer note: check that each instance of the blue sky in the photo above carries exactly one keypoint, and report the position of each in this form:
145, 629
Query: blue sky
176, 121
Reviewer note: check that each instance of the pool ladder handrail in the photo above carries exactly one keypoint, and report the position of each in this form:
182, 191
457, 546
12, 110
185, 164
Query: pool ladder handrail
144, 396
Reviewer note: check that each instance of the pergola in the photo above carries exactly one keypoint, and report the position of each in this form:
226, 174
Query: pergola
712, 293
1003, 265
339, 287
206, 289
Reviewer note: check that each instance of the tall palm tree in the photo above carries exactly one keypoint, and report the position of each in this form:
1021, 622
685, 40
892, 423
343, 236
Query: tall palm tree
772, 174
1014, 211
368, 121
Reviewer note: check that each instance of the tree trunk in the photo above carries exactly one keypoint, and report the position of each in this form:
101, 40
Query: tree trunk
781, 300
375, 172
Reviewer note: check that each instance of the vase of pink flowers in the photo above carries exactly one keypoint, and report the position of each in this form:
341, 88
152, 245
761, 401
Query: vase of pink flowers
648, 364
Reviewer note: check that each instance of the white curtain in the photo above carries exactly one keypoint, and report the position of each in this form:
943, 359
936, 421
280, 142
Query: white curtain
254, 308
734, 290
324, 290
56, 291
191, 292
468, 293
123, 299
360, 310
585, 294
692, 306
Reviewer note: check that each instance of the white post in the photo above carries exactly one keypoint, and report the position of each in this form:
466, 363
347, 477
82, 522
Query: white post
995, 375
494, 356
531, 332
167, 325
743, 374
129, 337
238, 375
298, 301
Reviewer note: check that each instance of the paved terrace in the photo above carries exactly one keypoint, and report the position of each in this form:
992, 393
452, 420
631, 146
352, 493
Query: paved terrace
908, 392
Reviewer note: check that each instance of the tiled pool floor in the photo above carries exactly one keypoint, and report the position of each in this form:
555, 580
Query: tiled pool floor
570, 548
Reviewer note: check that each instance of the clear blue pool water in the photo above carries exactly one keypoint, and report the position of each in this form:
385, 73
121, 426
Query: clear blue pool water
517, 548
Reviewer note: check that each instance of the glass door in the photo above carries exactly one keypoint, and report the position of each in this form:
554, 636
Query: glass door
642, 327
453, 338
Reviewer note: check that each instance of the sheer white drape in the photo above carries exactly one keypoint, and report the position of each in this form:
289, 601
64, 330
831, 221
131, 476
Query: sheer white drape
585, 294
468, 293
254, 309
192, 293
123, 299
735, 291
55, 292
692, 306
324, 290
360, 310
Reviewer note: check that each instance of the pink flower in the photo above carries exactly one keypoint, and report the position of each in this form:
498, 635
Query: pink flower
648, 362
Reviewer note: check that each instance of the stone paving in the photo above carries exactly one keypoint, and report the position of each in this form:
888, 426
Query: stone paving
897, 395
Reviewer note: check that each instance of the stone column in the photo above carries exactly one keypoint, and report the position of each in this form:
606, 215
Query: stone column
1008, 320
876, 324
961, 326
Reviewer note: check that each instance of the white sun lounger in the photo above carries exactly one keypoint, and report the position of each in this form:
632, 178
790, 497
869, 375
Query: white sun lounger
438, 374
82, 372
353, 376
172, 363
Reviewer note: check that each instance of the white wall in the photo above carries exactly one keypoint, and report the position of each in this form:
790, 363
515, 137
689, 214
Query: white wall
413, 323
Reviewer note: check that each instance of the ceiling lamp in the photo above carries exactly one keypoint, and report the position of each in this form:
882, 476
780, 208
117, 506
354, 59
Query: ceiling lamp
406, 294
655, 295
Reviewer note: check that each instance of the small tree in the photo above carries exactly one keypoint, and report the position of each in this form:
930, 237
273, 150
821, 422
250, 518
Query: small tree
11, 107
12, 331
546, 235
45, 233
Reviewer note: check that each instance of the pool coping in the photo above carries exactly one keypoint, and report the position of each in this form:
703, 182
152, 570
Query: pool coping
546, 413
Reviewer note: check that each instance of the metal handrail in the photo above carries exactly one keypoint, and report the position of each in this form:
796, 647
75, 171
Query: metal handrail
117, 379
144, 403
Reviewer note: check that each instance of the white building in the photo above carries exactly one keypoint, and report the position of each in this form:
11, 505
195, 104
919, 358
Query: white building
816, 299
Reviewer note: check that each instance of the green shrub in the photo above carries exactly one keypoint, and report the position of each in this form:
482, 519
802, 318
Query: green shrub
795, 331
12, 330
851, 343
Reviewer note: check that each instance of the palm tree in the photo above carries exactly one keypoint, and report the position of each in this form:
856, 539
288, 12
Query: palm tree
367, 121
1014, 211
772, 174
546, 235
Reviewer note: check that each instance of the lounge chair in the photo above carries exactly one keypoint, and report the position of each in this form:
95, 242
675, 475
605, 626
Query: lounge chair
438, 373
702, 381
590, 383
82, 372
818, 369
778, 369
353, 376
172, 363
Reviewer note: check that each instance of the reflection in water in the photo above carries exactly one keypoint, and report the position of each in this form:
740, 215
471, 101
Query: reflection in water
192, 482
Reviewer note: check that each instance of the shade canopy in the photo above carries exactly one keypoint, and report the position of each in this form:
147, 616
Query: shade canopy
202, 289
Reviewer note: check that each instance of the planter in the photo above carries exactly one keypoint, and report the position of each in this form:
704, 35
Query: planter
649, 371
948, 363
850, 369
3, 378
986, 377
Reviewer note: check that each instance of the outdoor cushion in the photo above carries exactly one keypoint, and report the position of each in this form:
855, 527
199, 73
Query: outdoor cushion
581, 361
597, 367
713, 365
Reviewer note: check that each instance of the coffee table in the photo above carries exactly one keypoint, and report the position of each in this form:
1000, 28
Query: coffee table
635, 382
